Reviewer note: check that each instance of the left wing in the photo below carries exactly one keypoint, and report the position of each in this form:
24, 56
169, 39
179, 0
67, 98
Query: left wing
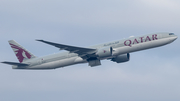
72, 49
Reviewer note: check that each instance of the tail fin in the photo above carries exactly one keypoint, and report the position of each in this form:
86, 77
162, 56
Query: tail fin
21, 53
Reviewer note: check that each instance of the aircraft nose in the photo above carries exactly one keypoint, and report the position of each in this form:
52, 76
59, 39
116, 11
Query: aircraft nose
175, 37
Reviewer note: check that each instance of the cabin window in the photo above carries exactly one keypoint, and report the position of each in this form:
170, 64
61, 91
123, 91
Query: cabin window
171, 33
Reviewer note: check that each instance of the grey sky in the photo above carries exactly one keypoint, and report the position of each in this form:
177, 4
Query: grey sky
150, 75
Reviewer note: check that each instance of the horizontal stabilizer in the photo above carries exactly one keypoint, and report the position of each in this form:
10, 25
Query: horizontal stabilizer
15, 63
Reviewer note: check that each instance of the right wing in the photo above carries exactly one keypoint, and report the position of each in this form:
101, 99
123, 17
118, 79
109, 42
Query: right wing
15, 63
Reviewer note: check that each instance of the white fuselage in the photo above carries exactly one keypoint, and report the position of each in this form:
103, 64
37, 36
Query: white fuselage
120, 47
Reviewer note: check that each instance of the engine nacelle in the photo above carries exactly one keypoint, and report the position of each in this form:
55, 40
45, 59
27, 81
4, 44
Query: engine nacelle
104, 52
122, 58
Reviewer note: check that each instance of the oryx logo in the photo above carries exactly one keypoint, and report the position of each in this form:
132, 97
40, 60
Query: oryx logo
20, 53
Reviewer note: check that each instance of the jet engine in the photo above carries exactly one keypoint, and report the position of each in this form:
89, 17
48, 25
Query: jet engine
121, 58
104, 52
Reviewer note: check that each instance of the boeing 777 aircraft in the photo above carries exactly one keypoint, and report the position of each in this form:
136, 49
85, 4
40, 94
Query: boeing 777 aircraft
116, 51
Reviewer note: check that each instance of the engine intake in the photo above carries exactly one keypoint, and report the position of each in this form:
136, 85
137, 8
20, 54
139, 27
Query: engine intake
121, 58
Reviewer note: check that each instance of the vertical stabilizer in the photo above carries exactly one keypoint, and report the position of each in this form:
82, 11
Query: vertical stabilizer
21, 53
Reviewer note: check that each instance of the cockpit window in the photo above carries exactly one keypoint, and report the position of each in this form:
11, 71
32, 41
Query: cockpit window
171, 33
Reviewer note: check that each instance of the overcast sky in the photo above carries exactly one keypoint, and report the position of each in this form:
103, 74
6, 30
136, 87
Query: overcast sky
150, 75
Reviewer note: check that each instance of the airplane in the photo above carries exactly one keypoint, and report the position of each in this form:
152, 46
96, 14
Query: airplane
116, 51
